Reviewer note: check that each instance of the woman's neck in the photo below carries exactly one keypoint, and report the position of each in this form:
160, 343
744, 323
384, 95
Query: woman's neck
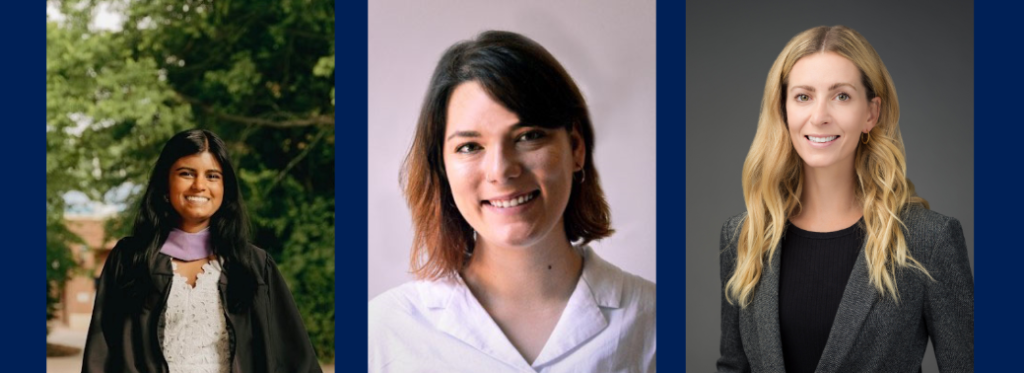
546, 272
828, 201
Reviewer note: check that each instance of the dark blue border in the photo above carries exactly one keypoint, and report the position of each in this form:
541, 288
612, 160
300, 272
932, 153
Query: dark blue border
671, 186
998, 249
23, 103
350, 173
999, 254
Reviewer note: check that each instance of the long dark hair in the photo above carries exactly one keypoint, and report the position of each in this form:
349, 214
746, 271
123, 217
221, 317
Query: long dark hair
526, 79
229, 226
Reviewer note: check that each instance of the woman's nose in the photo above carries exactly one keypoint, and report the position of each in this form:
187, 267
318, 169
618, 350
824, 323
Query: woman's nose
199, 183
820, 113
502, 164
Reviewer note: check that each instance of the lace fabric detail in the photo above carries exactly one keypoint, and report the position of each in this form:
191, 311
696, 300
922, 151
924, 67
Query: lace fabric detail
193, 332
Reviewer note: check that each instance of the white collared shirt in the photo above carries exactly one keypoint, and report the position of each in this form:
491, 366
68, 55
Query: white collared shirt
607, 326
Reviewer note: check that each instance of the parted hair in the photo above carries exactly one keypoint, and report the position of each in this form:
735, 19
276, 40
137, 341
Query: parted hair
527, 80
773, 171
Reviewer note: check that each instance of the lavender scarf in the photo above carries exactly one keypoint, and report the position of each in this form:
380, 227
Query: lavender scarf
186, 246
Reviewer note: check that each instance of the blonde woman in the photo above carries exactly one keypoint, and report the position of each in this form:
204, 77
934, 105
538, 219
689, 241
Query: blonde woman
837, 265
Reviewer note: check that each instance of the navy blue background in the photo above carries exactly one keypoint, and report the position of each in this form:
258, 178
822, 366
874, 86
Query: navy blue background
998, 255
671, 188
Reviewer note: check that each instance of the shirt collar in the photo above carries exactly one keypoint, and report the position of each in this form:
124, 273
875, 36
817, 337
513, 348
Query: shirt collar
603, 280
462, 316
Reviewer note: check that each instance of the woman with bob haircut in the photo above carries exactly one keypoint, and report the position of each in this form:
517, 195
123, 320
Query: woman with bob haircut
187, 292
505, 197
837, 265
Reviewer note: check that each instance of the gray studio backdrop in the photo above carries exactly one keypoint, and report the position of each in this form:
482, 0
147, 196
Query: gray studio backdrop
929, 51
608, 47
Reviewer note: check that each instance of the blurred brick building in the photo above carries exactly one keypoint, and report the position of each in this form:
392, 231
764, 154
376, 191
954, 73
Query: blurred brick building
75, 309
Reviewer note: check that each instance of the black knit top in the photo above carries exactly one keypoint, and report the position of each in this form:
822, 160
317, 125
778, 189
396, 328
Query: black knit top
813, 273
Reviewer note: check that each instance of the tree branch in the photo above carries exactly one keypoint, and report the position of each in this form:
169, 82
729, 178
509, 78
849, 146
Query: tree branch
295, 161
319, 120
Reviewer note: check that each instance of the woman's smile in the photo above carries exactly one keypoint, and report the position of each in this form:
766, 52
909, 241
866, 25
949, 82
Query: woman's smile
821, 141
511, 205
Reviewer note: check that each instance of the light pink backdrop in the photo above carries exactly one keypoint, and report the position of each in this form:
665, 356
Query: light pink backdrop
608, 47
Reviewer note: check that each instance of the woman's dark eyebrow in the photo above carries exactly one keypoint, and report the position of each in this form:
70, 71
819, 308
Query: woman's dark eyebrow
194, 170
477, 134
464, 134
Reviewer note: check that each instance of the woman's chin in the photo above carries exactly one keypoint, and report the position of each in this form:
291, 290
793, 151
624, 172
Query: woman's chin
512, 238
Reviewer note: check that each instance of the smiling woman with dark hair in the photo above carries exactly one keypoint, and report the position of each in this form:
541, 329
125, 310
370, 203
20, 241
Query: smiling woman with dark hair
505, 197
187, 292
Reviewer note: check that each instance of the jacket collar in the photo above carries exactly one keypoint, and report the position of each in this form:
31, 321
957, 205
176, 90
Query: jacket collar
858, 299
160, 266
462, 316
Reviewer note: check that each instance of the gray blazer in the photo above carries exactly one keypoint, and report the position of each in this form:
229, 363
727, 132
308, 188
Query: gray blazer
871, 333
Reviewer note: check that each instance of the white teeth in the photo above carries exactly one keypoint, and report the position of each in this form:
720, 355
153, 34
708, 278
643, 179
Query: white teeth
512, 202
197, 199
822, 139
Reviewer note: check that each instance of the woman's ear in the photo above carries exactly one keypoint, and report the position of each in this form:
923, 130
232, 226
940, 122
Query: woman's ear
874, 108
579, 148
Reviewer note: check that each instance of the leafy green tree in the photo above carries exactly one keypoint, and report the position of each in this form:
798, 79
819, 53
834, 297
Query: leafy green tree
259, 73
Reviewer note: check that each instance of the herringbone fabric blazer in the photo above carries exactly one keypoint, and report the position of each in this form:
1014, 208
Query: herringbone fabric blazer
871, 332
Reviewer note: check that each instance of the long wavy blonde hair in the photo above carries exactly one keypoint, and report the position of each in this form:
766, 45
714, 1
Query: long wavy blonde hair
773, 171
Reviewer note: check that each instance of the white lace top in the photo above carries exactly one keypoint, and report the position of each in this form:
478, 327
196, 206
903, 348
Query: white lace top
193, 333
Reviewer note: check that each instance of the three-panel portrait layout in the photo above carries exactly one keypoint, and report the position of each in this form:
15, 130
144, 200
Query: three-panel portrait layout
515, 188
516, 143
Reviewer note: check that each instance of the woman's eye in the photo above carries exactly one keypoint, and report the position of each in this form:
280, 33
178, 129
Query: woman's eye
467, 148
802, 97
842, 97
213, 177
185, 174
532, 135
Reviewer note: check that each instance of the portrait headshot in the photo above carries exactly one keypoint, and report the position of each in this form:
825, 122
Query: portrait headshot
511, 206
829, 219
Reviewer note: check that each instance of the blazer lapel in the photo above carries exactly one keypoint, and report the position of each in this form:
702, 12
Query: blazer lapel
765, 310
858, 299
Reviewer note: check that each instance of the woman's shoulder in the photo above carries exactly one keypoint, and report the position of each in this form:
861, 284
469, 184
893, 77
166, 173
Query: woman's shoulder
400, 297
259, 256
922, 221
609, 281
927, 230
404, 313
733, 222
410, 300
124, 247
730, 232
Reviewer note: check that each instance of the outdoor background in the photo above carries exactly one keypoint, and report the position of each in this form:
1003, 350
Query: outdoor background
607, 46
929, 52
123, 76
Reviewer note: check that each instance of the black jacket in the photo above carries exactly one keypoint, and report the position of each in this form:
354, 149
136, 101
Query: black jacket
268, 336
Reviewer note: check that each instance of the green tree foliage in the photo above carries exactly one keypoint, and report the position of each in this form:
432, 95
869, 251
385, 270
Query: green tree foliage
259, 73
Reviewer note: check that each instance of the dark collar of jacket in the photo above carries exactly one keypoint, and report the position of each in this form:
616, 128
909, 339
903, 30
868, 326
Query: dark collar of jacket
871, 332
268, 336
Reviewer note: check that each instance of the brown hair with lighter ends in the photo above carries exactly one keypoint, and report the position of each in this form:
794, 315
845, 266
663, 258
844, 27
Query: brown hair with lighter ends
773, 172
522, 76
